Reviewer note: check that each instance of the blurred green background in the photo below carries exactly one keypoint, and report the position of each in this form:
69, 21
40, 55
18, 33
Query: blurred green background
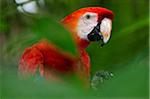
126, 55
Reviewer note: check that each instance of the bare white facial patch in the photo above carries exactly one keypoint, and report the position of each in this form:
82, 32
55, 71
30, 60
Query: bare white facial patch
86, 24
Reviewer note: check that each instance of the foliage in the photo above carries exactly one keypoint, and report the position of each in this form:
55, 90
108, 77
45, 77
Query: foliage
126, 55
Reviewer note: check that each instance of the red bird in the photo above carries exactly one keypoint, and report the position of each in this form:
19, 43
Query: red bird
86, 25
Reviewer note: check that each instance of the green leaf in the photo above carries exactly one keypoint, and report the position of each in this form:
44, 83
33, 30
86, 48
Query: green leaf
54, 32
130, 79
132, 28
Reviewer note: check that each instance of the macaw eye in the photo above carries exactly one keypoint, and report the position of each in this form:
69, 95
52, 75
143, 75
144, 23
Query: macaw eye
88, 16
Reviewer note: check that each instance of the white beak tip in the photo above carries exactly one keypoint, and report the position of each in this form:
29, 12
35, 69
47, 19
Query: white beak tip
106, 39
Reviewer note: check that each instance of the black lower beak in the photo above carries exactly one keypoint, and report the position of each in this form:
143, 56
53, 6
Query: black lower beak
95, 35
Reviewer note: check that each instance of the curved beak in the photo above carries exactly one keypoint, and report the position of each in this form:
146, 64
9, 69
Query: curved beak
105, 29
102, 31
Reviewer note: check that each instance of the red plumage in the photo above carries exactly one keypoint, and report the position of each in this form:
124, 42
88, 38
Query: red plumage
51, 61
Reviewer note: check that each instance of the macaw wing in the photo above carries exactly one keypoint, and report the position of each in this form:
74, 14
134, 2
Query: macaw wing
45, 57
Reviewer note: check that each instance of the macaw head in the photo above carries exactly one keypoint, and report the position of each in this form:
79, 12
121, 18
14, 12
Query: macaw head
90, 24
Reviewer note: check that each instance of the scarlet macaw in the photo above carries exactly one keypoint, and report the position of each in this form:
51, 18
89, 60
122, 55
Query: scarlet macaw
85, 25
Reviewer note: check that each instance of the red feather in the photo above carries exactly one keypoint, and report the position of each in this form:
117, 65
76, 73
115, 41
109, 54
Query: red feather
51, 61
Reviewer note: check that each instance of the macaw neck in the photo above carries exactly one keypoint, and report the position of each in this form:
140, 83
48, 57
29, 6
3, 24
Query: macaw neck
82, 44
